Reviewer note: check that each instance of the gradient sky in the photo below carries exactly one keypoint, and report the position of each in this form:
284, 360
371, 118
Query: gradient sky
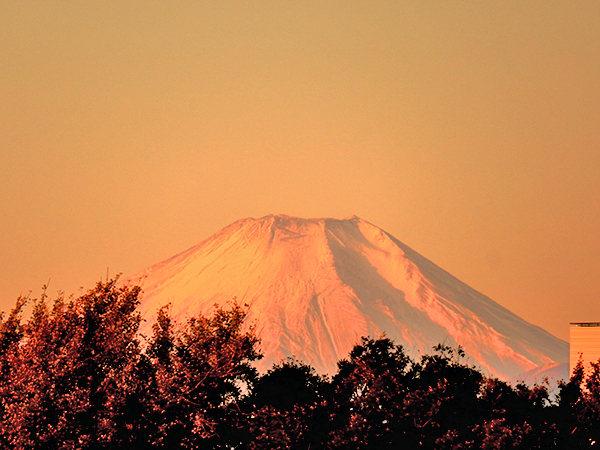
133, 130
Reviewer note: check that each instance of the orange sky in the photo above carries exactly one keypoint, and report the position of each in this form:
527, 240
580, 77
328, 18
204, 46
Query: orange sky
130, 131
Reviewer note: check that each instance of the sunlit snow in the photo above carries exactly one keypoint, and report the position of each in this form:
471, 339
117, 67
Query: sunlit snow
315, 286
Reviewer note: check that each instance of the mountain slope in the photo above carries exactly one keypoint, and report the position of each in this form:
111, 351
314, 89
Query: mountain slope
315, 286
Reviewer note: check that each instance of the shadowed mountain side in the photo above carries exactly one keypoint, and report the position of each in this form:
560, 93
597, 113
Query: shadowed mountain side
551, 373
315, 286
488, 332
508, 324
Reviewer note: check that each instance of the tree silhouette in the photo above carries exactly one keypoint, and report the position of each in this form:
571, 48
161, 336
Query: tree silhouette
201, 372
370, 389
64, 385
78, 375
287, 409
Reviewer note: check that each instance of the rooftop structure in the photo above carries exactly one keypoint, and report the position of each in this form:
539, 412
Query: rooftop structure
585, 344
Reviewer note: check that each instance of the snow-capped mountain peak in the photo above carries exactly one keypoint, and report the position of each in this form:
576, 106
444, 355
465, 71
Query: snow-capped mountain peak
315, 286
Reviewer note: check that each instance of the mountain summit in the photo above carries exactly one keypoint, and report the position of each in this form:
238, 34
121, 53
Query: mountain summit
315, 286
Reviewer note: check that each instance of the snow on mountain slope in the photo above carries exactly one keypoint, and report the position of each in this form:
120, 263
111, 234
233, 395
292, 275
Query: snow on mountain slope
315, 286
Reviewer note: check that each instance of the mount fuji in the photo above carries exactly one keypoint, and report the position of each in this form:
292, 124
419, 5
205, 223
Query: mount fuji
314, 287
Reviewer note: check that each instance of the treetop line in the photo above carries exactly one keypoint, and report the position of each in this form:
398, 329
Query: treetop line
77, 375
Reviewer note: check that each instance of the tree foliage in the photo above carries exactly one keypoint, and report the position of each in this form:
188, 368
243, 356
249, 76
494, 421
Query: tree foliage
77, 374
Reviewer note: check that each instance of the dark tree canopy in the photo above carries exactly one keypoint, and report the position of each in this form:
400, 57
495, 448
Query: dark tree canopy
76, 374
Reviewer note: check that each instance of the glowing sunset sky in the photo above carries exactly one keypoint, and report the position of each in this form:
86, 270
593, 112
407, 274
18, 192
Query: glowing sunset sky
130, 131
